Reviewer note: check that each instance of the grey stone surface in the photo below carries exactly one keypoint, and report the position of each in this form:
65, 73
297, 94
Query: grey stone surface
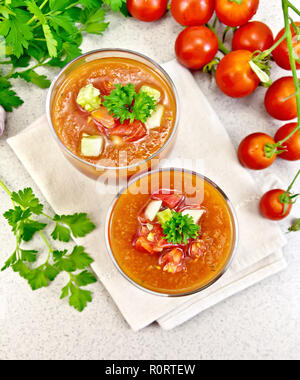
259, 323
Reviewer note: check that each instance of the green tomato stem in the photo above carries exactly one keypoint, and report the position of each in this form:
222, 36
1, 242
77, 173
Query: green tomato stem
293, 182
288, 35
223, 49
285, 7
294, 8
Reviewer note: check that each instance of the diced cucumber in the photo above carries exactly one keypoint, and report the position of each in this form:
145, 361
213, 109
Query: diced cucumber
195, 214
91, 146
89, 98
152, 209
164, 216
155, 119
155, 94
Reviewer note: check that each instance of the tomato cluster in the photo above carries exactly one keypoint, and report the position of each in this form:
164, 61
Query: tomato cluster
240, 72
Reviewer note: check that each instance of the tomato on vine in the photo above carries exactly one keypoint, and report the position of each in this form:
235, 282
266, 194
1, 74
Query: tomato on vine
252, 151
192, 12
291, 147
236, 12
234, 75
253, 36
196, 46
147, 10
281, 53
280, 99
277, 204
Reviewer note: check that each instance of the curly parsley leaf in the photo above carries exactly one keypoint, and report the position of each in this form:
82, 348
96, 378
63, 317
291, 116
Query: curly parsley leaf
179, 229
125, 104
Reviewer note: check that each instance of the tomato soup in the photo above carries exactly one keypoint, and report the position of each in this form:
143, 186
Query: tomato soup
97, 135
150, 251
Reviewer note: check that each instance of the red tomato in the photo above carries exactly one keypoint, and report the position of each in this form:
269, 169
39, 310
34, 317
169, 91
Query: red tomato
271, 207
281, 53
147, 10
253, 36
129, 131
233, 14
292, 145
252, 154
196, 46
234, 75
170, 199
192, 12
276, 102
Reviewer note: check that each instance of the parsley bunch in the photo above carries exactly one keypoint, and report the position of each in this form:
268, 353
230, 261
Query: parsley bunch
39, 33
22, 219
125, 104
179, 229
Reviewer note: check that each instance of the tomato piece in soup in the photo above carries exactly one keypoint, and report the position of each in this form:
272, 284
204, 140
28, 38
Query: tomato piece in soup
173, 261
169, 198
197, 249
102, 117
129, 131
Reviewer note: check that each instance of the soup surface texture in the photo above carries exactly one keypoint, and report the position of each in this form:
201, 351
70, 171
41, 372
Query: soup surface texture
148, 261
72, 122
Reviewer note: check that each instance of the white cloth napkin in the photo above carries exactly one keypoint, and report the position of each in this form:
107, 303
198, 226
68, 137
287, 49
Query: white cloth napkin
202, 144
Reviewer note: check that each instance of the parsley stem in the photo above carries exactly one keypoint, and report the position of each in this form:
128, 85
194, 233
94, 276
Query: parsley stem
5, 188
46, 242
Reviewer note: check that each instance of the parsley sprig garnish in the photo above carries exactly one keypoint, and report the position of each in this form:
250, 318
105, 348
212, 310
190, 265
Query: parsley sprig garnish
22, 219
180, 228
125, 104
37, 33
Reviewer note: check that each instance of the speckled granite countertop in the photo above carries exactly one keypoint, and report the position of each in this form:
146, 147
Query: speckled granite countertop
261, 322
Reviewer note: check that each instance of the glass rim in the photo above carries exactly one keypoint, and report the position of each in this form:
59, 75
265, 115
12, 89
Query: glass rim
165, 294
112, 168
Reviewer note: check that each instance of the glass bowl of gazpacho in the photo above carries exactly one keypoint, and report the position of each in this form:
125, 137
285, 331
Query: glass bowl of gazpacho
113, 111
171, 232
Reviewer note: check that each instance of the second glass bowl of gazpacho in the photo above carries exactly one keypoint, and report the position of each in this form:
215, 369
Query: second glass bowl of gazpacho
113, 111
172, 232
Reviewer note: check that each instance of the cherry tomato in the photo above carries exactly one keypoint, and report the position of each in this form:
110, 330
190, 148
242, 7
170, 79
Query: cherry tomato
196, 46
292, 145
253, 36
192, 12
234, 75
147, 10
231, 13
252, 153
281, 53
276, 100
271, 207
